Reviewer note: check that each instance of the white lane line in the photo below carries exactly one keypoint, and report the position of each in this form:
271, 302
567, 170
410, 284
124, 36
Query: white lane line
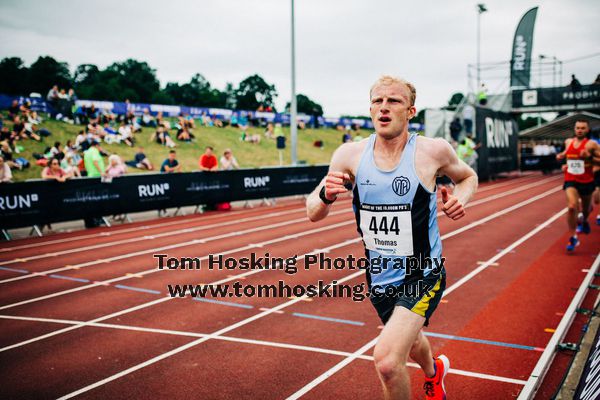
157, 301
155, 270
315, 382
220, 332
230, 278
234, 339
152, 237
169, 247
248, 219
196, 218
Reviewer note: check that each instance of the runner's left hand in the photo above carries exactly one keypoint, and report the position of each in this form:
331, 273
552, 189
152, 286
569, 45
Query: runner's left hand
452, 207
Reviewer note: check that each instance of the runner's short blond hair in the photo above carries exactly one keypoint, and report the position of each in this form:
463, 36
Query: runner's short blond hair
389, 80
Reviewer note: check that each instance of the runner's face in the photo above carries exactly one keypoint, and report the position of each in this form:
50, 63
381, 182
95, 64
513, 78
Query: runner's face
391, 109
581, 130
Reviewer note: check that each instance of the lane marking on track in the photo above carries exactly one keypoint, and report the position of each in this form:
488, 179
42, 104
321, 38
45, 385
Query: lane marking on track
204, 227
20, 271
318, 380
137, 228
510, 181
169, 247
68, 278
157, 236
482, 341
223, 303
155, 270
271, 310
158, 301
262, 343
328, 319
549, 330
137, 289
492, 264
287, 304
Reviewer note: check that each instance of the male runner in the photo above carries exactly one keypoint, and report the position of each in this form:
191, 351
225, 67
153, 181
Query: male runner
393, 174
579, 179
596, 171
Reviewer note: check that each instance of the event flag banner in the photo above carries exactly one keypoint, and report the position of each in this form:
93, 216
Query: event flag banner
498, 134
520, 61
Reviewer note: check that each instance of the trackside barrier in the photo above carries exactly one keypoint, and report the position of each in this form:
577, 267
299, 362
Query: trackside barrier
537, 376
42, 202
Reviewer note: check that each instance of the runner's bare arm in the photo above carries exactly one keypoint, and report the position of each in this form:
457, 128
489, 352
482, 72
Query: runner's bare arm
464, 178
339, 172
562, 154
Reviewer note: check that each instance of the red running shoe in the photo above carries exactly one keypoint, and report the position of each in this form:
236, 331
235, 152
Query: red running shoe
434, 387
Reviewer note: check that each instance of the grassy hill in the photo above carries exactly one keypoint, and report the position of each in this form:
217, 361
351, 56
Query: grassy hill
248, 155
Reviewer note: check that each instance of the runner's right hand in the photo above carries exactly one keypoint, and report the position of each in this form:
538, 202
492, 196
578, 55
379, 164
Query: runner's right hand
334, 184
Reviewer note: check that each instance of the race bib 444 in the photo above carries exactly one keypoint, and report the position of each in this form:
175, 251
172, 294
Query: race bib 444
387, 228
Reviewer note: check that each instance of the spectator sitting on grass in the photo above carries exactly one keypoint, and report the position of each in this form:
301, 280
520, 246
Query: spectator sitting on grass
18, 129
208, 161
6, 153
115, 167
94, 164
70, 165
228, 161
162, 137
30, 131
126, 134
8, 136
5, 174
147, 119
54, 171
233, 121
185, 135
270, 131
171, 164
14, 109
96, 130
92, 114
206, 120
140, 160
55, 152
217, 122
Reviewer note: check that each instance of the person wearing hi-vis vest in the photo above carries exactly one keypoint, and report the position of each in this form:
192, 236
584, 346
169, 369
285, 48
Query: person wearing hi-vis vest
392, 174
579, 179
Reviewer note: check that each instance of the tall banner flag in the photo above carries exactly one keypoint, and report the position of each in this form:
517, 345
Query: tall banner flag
520, 61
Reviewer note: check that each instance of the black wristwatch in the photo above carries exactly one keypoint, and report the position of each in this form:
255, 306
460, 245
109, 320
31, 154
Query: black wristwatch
323, 198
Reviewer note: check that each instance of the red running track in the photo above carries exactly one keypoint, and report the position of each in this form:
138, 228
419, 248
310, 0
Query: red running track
97, 323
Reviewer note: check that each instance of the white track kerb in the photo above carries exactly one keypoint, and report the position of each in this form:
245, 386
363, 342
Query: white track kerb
536, 377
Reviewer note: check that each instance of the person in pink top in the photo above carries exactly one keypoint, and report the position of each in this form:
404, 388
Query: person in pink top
54, 171
115, 167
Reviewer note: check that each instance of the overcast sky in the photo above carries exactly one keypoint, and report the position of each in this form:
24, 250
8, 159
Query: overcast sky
341, 46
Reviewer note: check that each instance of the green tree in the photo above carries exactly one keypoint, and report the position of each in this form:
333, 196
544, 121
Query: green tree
305, 105
13, 76
46, 72
197, 92
253, 92
134, 75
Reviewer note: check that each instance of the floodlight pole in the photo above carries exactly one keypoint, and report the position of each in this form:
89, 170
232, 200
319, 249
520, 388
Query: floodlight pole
293, 114
480, 10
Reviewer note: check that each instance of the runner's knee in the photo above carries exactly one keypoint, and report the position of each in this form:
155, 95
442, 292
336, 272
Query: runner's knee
387, 362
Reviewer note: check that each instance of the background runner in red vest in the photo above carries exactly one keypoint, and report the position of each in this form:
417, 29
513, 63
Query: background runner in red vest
579, 178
